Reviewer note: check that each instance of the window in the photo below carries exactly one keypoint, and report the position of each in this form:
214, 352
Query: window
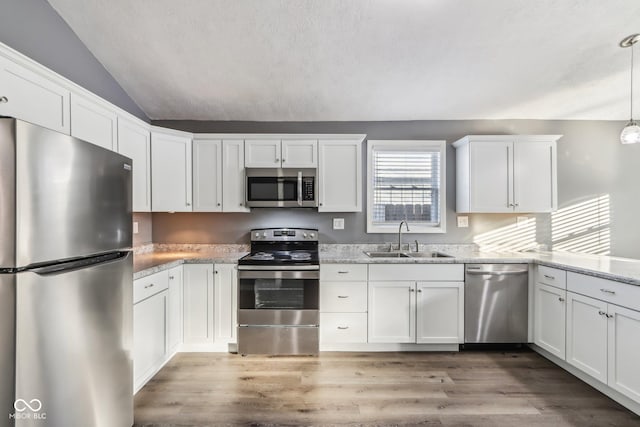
405, 181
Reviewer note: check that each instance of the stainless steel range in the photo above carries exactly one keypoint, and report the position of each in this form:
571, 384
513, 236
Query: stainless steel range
278, 293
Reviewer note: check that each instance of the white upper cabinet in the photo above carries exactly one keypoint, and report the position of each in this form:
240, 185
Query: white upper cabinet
506, 173
207, 175
285, 153
262, 153
233, 186
29, 96
299, 153
94, 122
170, 171
340, 175
134, 141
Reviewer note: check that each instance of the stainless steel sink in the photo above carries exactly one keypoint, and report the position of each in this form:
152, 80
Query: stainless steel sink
386, 255
428, 255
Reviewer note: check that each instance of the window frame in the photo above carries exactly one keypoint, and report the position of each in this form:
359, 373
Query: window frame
408, 145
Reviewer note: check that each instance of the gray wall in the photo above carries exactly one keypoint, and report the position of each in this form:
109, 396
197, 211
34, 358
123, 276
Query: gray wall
34, 28
591, 164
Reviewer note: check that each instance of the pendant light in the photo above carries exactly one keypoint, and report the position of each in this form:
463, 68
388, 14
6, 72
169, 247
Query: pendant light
631, 132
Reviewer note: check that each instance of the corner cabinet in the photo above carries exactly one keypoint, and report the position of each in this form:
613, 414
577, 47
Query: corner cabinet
170, 171
134, 141
340, 175
506, 173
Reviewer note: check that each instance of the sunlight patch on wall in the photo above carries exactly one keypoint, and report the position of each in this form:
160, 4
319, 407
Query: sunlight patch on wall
515, 237
583, 227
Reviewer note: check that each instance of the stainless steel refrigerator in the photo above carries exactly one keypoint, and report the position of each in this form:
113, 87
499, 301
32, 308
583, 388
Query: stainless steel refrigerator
65, 281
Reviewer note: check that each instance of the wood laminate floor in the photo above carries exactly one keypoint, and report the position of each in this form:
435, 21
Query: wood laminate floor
430, 389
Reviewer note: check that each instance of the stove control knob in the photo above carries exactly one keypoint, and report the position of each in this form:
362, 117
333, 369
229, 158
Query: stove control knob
312, 235
304, 235
264, 234
257, 235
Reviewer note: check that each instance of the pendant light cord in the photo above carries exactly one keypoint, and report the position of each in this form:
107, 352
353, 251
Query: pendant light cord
631, 95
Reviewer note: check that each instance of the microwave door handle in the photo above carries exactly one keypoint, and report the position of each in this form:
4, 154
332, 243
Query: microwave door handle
299, 188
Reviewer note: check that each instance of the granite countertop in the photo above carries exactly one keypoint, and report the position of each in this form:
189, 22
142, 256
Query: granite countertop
157, 257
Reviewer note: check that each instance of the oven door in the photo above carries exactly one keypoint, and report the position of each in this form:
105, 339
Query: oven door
272, 298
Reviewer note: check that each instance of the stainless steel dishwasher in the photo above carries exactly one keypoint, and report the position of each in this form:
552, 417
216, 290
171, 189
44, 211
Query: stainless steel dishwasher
496, 303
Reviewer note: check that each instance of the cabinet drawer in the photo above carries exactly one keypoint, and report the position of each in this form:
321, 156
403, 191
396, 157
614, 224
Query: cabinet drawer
552, 277
343, 327
337, 297
150, 285
418, 272
606, 290
342, 272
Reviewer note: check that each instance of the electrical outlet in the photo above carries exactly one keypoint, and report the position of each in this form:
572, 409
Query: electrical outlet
135, 227
338, 223
463, 221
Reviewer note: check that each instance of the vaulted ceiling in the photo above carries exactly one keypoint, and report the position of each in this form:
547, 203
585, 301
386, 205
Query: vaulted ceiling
316, 60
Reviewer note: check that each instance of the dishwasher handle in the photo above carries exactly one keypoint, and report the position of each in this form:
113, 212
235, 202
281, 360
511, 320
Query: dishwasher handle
497, 273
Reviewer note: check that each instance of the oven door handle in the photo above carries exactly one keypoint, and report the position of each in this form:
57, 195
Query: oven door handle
299, 188
278, 274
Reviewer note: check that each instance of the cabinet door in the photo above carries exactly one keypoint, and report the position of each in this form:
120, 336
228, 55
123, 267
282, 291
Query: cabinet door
440, 313
534, 176
93, 122
225, 299
624, 351
549, 319
207, 175
392, 312
262, 153
340, 176
28, 96
175, 317
149, 336
170, 173
134, 141
233, 185
490, 176
300, 153
198, 303
587, 335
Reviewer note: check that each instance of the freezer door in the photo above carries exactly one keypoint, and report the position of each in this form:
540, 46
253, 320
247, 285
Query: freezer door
7, 344
72, 198
74, 344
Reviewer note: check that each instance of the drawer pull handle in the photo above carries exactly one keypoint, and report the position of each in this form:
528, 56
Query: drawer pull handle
149, 286
343, 327
549, 277
607, 291
602, 313
561, 299
343, 272
343, 296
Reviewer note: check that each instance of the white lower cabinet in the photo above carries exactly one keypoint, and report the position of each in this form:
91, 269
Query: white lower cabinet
175, 312
549, 319
440, 313
624, 351
150, 309
198, 304
225, 303
587, 335
392, 312
343, 328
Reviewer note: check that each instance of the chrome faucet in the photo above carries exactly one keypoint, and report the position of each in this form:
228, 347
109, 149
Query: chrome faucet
400, 234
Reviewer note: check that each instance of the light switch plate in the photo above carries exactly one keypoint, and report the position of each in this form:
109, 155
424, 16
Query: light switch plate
338, 223
135, 227
463, 221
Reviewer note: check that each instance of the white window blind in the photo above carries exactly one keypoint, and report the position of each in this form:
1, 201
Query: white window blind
406, 186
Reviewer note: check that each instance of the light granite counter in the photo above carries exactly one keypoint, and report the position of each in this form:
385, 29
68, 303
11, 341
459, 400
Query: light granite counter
153, 258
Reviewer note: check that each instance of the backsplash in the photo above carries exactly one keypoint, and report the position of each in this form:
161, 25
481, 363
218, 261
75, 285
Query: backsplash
145, 234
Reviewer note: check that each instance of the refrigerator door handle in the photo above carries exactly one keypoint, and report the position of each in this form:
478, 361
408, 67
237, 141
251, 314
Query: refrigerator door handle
65, 266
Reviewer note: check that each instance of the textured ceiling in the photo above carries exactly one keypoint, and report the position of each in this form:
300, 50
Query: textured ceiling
312, 60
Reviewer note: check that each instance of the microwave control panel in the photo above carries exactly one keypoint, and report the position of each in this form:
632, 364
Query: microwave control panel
308, 188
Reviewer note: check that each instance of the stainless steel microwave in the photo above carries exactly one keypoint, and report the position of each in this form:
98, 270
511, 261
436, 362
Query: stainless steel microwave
281, 188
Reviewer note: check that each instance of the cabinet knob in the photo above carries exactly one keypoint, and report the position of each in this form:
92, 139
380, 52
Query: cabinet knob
218, 204
188, 204
602, 313
277, 160
241, 204
284, 160
609, 316
3, 99
171, 277
215, 272
419, 290
560, 299
320, 203
411, 290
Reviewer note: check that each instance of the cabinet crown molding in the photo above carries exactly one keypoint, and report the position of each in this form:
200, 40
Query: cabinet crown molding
515, 138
